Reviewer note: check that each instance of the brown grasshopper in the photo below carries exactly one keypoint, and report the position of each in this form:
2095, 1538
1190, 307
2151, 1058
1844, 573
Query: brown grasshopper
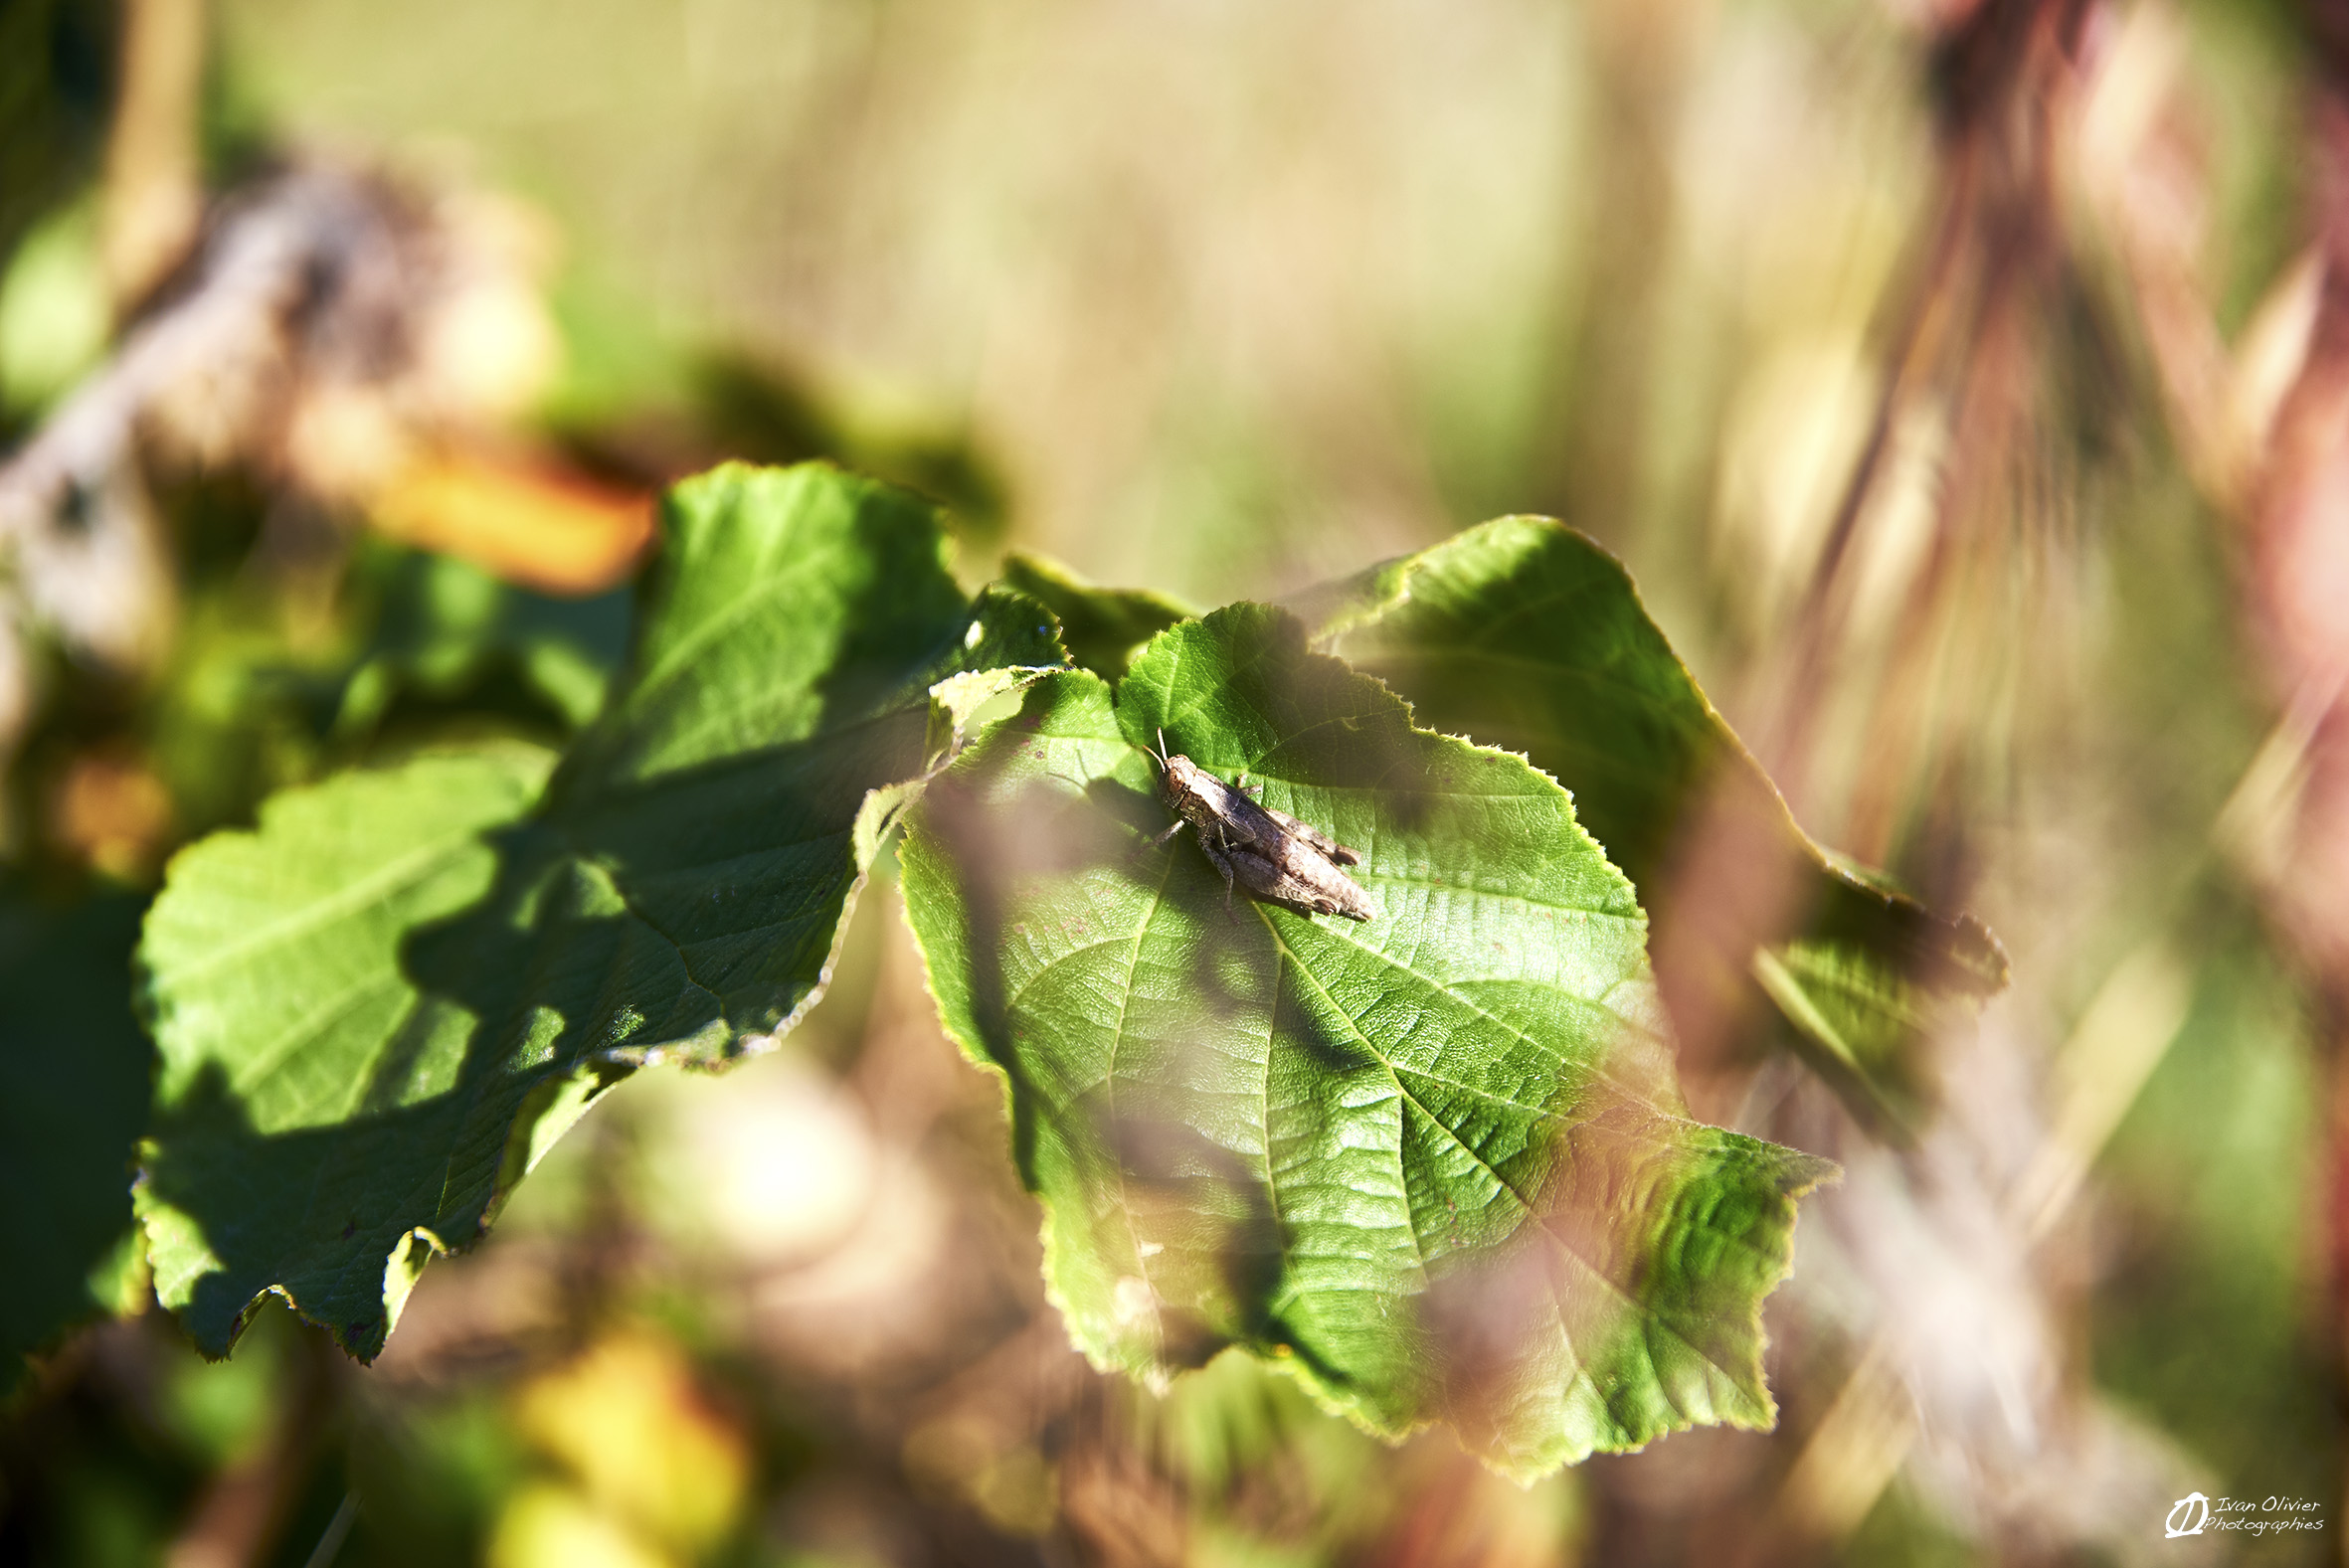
1270, 853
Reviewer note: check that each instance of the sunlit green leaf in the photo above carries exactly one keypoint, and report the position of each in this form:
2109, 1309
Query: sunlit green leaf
1525, 634
1436, 1163
376, 1010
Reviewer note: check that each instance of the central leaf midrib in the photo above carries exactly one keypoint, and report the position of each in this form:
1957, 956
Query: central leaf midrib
412, 870
1429, 982
1117, 1041
678, 660
268, 1058
1402, 1174
1639, 1311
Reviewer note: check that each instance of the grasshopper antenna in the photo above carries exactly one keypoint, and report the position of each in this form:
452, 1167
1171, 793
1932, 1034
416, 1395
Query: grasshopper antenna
1164, 765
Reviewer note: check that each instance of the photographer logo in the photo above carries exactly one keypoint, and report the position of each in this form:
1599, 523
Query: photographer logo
2194, 1514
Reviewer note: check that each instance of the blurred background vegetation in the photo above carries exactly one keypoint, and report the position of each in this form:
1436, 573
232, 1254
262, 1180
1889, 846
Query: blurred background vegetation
1961, 379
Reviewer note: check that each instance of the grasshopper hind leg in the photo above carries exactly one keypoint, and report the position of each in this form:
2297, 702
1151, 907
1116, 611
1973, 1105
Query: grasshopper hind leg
1222, 864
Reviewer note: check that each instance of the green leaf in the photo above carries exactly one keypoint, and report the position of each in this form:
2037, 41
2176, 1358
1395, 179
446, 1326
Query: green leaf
1436, 1164
1100, 627
1527, 636
73, 1070
378, 1009
317, 1105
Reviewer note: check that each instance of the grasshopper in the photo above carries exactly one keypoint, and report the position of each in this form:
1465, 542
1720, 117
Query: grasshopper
1270, 853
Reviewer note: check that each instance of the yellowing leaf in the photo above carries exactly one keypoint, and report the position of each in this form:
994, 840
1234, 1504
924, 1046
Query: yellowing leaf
528, 523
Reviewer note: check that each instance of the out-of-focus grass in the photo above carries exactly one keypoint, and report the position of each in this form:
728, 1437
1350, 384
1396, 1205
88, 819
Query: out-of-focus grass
1237, 296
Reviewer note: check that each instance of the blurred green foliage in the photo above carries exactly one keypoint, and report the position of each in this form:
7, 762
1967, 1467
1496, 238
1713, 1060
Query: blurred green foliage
73, 1070
57, 68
